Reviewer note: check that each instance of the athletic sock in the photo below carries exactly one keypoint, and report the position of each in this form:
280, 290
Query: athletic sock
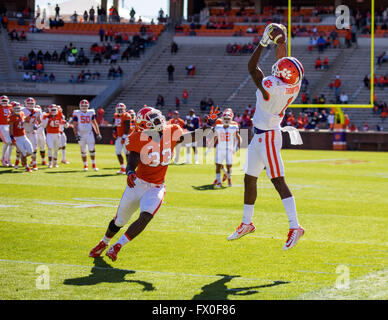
124, 239
218, 177
85, 164
248, 213
122, 166
63, 154
106, 239
289, 206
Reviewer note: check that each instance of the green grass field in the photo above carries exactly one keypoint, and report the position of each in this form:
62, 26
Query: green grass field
53, 218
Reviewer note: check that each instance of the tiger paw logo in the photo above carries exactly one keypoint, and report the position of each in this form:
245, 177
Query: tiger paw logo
285, 73
268, 83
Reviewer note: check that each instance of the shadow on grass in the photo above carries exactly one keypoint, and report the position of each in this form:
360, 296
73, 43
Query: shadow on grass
103, 175
206, 187
218, 291
68, 171
104, 272
9, 171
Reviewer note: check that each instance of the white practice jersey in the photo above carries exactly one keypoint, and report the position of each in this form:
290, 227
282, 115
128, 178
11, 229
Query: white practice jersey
269, 114
84, 120
226, 136
29, 126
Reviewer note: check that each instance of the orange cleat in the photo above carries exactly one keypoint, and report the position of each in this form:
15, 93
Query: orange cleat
98, 249
113, 251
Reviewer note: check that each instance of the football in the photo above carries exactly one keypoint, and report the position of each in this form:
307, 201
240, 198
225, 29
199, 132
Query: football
277, 35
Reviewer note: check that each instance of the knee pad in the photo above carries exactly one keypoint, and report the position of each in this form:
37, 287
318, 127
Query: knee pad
112, 227
92, 153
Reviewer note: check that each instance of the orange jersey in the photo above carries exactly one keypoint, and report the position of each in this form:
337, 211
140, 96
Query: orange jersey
54, 122
178, 121
4, 114
18, 124
219, 121
154, 156
119, 123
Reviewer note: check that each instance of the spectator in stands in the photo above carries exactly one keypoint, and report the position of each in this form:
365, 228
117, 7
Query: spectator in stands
246, 121
101, 33
304, 85
318, 64
170, 70
346, 122
63, 54
365, 127
177, 103
321, 43
13, 35
57, 9
97, 57
111, 72
91, 14
190, 70
344, 98
325, 64
119, 72
86, 16
26, 76
331, 120
4, 21
160, 101
100, 115
203, 104
51, 77
132, 14
71, 59
39, 66
174, 48
337, 88
74, 17
348, 39
353, 128
47, 56
33, 77
304, 98
185, 96
382, 57
322, 99
22, 36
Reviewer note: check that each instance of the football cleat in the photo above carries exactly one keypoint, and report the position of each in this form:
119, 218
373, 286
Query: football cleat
218, 185
65, 162
121, 171
113, 251
229, 182
242, 230
98, 249
293, 236
215, 182
28, 169
224, 177
50, 165
86, 168
4, 162
34, 167
55, 164
94, 167
44, 163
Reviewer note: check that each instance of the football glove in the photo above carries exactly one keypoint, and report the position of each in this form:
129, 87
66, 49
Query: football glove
265, 39
77, 138
212, 117
99, 137
131, 177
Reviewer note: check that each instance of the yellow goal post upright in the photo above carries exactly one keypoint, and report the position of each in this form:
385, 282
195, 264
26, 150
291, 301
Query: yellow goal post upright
340, 106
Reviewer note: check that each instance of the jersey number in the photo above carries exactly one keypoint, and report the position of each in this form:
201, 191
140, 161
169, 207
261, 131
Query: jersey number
285, 107
54, 123
85, 119
154, 158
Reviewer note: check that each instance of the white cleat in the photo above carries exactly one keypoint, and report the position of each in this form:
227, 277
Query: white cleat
242, 230
293, 236
65, 162
86, 168
218, 185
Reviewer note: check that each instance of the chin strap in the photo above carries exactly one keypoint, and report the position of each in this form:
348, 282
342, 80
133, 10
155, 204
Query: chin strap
294, 134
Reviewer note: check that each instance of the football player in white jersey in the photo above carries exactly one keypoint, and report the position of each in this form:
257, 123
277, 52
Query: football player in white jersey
227, 139
35, 118
63, 139
41, 137
274, 94
84, 122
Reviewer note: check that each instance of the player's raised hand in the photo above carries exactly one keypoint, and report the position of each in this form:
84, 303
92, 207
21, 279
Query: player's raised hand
265, 39
213, 115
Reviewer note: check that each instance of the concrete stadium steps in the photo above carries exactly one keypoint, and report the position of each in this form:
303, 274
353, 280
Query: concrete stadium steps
62, 71
4, 64
361, 115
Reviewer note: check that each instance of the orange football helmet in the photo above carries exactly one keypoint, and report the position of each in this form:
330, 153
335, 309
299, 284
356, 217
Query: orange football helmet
289, 70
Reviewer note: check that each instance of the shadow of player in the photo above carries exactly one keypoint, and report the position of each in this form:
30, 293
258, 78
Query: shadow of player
218, 291
206, 187
103, 272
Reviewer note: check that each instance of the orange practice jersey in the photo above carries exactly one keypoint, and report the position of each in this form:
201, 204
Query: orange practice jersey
154, 156
18, 124
178, 121
219, 121
4, 114
54, 122
119, 123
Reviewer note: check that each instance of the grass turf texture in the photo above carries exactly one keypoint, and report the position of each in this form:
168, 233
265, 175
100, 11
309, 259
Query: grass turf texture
53, 217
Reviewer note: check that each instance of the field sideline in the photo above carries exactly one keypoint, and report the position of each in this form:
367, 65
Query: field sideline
53, 218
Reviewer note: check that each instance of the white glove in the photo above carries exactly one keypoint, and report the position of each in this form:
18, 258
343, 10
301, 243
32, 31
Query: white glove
265, 40
295, 137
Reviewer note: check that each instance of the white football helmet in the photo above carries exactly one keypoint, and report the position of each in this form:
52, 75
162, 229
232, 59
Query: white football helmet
84, 105
29, 103
53, 109
120, 108
4, 100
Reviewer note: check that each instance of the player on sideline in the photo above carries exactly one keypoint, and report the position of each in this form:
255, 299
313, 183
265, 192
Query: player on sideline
17, 133
84, 122
192, 124
176, 120
5, 112
274, 93
41, 137
52, 122
227, 137
150, 153
122, 127
35, 118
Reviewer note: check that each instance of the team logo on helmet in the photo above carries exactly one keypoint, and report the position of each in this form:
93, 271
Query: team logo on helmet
4, 100
16, 107
289, 70
150, 119
120, 108
29, 103
53, 109
84, 105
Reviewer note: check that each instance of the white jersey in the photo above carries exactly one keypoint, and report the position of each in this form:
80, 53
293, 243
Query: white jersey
40, 130
226, 136
269, 114
84, 120
29, 126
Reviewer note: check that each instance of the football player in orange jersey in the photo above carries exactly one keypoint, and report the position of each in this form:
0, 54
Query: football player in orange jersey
52, 122
5, 112
18, 134
180, 122
122, 127
150, 153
